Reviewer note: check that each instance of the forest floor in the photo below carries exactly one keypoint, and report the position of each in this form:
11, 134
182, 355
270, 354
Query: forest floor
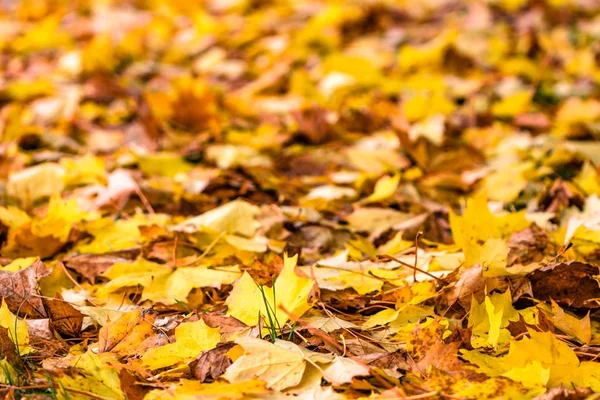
269, 199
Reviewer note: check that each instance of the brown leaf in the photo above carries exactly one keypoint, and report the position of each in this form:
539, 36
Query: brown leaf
442, 356
559, 196
65, 318
23, 243
92, 265
528, 246
102, 88
471, 283
19, 290
313, 124
534, 121
39, 328
397, 360
225, 324
562, 393
130, 386
213, 363
7, 346
132, 332
569, 283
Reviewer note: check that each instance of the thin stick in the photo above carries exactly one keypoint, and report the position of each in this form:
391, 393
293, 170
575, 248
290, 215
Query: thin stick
416, 255
75, 282
175, 245
414, 267
144, 200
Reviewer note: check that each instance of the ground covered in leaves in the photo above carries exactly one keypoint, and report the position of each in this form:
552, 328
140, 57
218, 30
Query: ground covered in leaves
316, 199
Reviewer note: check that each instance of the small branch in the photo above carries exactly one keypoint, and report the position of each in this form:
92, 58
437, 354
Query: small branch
414, 267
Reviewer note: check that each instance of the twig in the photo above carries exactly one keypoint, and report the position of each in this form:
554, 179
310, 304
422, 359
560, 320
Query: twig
75, 282
416, 255
414, 267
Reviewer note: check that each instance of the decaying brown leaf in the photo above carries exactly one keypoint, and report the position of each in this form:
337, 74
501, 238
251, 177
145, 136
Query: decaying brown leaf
65, 318
213, 363
19, 290
570, 283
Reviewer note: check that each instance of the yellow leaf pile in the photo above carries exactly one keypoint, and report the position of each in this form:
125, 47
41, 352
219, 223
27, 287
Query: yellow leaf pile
312, 199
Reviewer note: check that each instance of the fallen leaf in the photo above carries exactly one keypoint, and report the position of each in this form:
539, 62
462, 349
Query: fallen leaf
191, 338
236, 217
213, 363
19, 290
127, 334
343, 370
194, 390
579, 329
568, 283
274, 364
90, 266
92, 375
385, 187
17, 329
287, 299
36, 182
65, 318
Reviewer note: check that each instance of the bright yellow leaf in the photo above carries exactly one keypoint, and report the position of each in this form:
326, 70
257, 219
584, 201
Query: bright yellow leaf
236, 217
288, 298
513, 105
93, 376
191, 338
59, 219
17, 329
385, 188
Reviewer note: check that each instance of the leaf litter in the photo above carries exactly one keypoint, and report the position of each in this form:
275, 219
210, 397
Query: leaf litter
313, 199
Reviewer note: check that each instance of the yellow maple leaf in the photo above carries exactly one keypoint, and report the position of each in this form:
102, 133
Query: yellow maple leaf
163, 164
477, 225
363, 283
130, 274
513, 105
164, 284
236, 217
176, 286
13, 217
36, 182
580, 329
427, 55
196, 390
490, 318
99, 54
588, 179
17, 329
493, 257
362, 70
385, 188
95, 376
84, 170
529, 359
286, 300
191, 338
423, 105
531, 375
60, 218
575, 112
126, 335
18, 264
505, 184
117, 235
